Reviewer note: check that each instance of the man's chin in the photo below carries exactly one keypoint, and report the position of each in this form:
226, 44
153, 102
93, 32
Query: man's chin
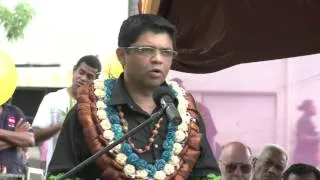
268, 178
156, 83
239, 178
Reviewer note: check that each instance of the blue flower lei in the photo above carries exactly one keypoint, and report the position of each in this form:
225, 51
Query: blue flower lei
134, 158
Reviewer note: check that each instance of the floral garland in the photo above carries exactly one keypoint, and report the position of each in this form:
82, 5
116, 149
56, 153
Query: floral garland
113, 129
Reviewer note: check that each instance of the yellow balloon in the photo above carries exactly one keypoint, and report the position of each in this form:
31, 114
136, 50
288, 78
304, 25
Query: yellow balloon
8, 77
112, 67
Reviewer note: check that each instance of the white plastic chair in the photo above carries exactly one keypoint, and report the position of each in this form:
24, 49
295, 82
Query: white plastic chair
35, 173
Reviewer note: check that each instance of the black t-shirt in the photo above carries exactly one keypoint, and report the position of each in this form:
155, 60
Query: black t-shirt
71, 148
11, 157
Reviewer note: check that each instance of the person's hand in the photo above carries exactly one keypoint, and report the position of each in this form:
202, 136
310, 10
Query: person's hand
25, 153
23, 126
3, 169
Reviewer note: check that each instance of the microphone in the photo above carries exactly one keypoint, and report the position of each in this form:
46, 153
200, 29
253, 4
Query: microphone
164, 97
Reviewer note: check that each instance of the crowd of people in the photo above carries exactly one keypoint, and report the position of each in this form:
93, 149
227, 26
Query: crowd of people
237, 162
75, 122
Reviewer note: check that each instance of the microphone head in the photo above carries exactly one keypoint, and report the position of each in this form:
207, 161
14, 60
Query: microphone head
162, 92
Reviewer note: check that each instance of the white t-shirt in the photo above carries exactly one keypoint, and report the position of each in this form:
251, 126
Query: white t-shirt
53, 108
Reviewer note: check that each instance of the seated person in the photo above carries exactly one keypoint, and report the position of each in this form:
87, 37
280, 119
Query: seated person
301, 172
270, 164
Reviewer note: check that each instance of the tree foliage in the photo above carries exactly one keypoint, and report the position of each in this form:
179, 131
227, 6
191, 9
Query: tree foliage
15, 21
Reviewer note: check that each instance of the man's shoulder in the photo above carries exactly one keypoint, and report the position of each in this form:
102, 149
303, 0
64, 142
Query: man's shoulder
59, 92
56, 95
12, 109
52, 100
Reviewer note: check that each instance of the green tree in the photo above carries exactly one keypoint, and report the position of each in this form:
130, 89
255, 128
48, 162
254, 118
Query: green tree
14, 21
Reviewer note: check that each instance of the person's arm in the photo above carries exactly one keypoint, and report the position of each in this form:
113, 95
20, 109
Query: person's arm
5, 145
70, 149
41, 134
42, 124
206, 166
22, 136
21, 139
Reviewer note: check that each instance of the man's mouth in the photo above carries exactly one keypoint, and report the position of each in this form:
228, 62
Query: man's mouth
156, 73
156, 70
79, 84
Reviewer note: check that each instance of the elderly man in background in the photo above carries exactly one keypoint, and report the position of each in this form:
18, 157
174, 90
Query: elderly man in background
270, 164
235, 162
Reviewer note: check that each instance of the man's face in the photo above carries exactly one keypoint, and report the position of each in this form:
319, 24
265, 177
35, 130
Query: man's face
147, 62
235, 166
83, 75
270, 165
305, 176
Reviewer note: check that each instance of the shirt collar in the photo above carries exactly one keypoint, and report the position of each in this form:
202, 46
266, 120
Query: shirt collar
120, 94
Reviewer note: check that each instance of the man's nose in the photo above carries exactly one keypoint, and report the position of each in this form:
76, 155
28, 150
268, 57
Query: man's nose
237, 172
157, 57
83, 77
273, 170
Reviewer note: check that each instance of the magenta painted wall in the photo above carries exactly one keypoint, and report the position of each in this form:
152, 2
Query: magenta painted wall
257, 103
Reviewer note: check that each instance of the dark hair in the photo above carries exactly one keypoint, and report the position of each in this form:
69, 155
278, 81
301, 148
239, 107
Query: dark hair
135, 25
89, 60
299, 169
9, 101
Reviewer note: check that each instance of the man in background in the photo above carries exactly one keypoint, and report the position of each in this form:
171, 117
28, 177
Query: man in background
307, 138
54, 106
270, 164
235, 162
301, 172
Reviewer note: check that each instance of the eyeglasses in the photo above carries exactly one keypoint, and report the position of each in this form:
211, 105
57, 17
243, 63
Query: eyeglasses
245, 168
149, 51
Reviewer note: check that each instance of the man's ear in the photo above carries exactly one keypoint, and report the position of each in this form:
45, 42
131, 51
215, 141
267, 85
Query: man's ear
121, 54
220, 165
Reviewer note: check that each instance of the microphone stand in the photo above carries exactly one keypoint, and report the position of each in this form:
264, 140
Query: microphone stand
84, 163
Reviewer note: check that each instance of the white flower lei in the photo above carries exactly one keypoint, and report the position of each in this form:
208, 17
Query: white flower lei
181, 133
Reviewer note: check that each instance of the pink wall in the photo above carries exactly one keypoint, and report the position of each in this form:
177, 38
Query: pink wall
256, 103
